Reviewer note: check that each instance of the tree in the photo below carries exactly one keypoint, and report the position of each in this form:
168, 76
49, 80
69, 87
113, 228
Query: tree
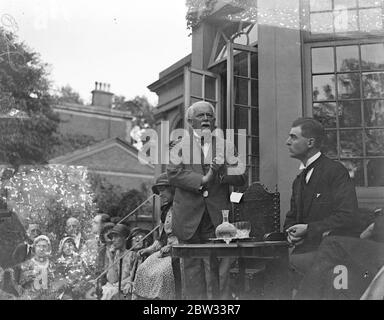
139, 107
106, 195
71, 142
49, 195
28, 124
67, 94
133, 198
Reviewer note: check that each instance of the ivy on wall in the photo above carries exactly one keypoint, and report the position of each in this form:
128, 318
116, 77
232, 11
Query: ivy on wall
198, 10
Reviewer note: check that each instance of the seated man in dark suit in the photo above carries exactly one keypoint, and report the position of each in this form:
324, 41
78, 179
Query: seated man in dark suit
359, 259
23, 251
323, 195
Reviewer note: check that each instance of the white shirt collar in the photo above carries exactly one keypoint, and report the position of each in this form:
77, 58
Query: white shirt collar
310, 160
199, 137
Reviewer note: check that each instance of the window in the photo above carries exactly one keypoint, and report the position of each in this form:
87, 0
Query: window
343, 16
347, 96
202, 85
245, 106
243, 33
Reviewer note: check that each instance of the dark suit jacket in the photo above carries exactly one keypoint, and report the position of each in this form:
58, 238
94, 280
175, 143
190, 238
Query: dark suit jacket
332, 205
189, 204
22, 252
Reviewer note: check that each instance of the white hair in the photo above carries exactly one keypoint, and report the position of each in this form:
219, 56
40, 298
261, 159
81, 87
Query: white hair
72, 220
191, 110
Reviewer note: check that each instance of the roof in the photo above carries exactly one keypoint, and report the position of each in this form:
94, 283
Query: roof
78, 108
171, 73
97, 147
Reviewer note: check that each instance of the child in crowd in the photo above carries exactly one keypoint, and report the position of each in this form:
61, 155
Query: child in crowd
71, 270
119, 258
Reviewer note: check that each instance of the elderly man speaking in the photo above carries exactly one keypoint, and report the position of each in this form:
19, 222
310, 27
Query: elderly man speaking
202, 179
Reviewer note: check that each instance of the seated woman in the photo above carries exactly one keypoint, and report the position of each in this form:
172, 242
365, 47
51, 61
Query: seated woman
101, 261
71, 269
119, 258
37, 274
154, 277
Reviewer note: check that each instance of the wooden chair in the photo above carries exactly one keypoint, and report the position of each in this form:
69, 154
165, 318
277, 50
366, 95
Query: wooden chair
262, 209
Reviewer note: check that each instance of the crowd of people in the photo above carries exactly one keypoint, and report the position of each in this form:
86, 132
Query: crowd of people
323, 228
115, 262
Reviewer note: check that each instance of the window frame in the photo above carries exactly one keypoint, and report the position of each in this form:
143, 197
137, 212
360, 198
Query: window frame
367, 192
308, 36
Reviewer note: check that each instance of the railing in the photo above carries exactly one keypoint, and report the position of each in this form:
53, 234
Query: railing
119, 259
97, 279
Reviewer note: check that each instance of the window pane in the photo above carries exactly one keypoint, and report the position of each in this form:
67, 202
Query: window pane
373, 85
322, 22
320, 5
350, 114
196, 84
374, 113
370, 20
241, 64
210, 88
345, 3
330, 144
356, 170
348, 85
254, 93
351, 144
241, 39
322, 60
372, 56
253, 34
369, 3
193, 100
375, 142
255, 121
323, 87
255, 147
255, 168
325, 113
375, 172
347, 58
345, 20
241, 118
254, 65
241, 91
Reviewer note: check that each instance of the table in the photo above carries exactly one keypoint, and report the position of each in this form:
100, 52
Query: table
274, 253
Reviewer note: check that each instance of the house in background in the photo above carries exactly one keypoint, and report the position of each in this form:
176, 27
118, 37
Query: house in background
264, 63
114, 159
117, 161
98, 120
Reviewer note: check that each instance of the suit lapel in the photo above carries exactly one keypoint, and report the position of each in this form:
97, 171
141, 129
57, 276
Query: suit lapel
314, 180
299, 207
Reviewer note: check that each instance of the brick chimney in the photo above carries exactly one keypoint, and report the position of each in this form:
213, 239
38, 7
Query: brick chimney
102, 96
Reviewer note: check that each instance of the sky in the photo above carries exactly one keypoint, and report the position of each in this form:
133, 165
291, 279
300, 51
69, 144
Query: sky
120, 42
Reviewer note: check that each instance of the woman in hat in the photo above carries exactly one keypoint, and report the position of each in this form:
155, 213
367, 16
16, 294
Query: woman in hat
154, 277
120, 264
37, 273
71, 269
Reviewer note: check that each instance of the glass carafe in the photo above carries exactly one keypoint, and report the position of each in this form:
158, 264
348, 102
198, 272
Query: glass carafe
226, 231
